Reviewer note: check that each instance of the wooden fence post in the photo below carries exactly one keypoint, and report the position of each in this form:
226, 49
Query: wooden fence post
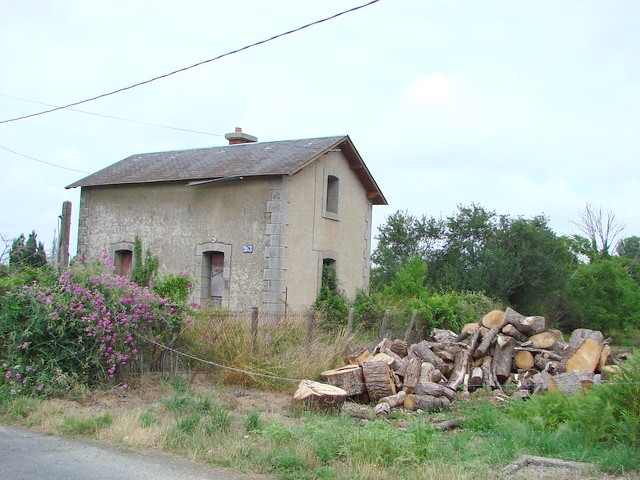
350, 322
412, 325
254, 330
383, 325
310, 324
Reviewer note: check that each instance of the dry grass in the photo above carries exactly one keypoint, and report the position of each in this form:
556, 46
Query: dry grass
280, 348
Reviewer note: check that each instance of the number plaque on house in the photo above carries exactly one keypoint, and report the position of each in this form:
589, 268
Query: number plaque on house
247, 249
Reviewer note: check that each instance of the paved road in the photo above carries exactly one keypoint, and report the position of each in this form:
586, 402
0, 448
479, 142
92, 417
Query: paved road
26, 455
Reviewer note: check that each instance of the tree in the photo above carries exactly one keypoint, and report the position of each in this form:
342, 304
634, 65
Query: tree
600, 229
29, 253
629, 247
401, 238
602, 296
143, 271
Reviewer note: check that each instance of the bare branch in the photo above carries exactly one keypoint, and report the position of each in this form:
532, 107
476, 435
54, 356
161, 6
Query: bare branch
601, 230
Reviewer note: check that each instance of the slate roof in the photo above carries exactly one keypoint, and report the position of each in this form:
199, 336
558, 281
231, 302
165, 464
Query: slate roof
247, 159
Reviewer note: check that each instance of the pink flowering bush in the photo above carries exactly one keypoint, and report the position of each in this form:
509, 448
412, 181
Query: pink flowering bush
82, 329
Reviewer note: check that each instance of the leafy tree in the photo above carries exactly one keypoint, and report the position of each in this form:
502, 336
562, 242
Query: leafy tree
29, 253
629, 247
401, 238
517, 261
143, 271
603, 296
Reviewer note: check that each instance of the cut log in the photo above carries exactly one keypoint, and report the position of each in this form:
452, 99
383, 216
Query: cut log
400, 348
546, 339
494, 319
393, 362
580, 335
358, 357
524, 360
378, 379
512, 331
426, 402
460, 368
487, 373
319, 396
487, 341
604, 357
429, 373
466, 331
443, 336
349, 378
394, 401
423, 351
544, 363
474, 338
435, 390
384, 343
412, 369
571, 383
586, 357
550, 354
476, 377
397, 363
527, 325
541, 382
503, 358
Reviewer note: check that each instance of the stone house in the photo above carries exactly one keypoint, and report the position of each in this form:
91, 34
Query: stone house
253, 222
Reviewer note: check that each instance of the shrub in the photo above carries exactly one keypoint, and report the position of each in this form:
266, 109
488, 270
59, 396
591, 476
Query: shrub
80, 330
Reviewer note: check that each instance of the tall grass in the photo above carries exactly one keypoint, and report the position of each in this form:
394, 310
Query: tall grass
279, 350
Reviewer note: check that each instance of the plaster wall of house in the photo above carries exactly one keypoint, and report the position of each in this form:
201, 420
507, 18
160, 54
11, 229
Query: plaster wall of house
313, 236
181, 224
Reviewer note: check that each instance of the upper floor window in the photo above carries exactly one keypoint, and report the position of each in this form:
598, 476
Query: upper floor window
331, 196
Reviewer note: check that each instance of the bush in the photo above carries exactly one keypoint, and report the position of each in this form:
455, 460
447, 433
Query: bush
175, 288
80, 330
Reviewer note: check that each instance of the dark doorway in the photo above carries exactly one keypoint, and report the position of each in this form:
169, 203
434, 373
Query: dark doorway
123, 259
216, 287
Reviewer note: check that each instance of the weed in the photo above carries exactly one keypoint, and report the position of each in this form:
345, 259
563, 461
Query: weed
85, 426
189, 423
252, 423
148, 419
218, 421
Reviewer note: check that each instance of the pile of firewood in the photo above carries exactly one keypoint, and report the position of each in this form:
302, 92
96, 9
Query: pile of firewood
503, 349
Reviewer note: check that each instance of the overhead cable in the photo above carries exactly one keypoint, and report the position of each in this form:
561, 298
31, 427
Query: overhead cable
42, 161
159, 77
113, 117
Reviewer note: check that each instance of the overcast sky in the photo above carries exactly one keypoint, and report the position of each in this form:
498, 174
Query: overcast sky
525, 108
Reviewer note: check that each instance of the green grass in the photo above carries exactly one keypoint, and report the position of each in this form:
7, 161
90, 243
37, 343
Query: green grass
85, 426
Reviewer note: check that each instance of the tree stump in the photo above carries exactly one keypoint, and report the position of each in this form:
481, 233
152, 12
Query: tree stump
494, 319
426, 402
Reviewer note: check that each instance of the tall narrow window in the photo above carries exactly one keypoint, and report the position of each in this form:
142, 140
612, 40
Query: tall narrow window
333, 193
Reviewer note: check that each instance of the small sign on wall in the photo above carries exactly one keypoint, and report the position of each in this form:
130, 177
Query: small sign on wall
247, 249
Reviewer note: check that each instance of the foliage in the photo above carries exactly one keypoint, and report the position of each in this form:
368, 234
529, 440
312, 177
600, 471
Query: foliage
331, 302
174, 287
144, 270
402, 237
79, 330
27, 254
602, 296
518, 261
629, 247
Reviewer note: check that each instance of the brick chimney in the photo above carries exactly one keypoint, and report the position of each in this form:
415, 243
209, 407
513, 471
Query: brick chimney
239, 137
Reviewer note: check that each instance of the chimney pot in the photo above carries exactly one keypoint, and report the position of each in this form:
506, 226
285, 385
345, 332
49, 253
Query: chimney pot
239, 137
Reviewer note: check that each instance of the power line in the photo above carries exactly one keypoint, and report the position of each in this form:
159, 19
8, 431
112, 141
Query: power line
42, 161
232, 52
115, 118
